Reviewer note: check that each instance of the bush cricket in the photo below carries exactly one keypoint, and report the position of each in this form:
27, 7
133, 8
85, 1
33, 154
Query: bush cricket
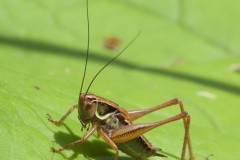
115, 125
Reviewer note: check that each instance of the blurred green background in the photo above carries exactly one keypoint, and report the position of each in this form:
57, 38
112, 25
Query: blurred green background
187, 49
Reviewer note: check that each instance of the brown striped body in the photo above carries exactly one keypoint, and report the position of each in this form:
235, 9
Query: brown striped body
138, 148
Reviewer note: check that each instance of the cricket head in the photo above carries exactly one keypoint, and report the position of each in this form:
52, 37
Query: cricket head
86, 108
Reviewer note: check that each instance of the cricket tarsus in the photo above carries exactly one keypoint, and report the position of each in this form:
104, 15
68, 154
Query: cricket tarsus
115, 125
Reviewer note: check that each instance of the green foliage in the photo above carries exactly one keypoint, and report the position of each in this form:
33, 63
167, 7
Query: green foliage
187, 49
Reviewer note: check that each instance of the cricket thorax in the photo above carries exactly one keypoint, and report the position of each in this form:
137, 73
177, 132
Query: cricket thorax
109, 116
92, 107
103, 109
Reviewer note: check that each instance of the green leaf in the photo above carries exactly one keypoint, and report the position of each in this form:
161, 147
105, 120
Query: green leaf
187, 49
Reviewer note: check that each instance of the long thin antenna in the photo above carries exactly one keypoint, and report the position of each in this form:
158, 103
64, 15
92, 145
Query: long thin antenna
88, 43
126, 47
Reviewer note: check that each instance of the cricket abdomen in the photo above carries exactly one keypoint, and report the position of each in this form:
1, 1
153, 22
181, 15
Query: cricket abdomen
139, 148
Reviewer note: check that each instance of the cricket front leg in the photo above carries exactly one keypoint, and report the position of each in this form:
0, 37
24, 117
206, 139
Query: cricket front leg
85, 137
59, 122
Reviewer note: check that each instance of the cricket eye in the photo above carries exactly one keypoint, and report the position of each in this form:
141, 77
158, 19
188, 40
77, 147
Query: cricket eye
90, 98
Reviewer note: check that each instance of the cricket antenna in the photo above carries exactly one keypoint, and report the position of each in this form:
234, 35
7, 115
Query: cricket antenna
87, 55
88, 43
121, 52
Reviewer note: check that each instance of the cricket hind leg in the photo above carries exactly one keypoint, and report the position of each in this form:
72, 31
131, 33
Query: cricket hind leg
187, 140
131, 131
133, 115
59, 122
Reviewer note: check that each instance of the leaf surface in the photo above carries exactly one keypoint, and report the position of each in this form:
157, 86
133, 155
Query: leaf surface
187, 49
